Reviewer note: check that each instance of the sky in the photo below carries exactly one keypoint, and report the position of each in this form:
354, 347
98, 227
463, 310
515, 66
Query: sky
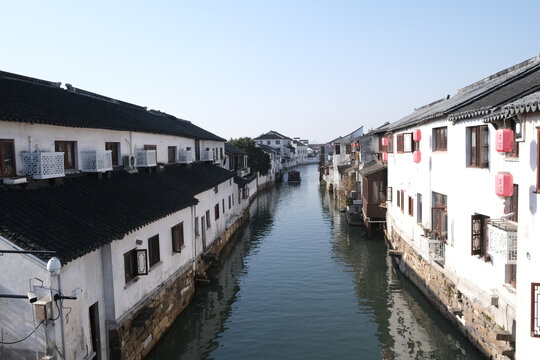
305, 68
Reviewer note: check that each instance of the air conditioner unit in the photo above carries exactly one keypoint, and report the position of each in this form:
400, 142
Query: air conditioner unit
130, 163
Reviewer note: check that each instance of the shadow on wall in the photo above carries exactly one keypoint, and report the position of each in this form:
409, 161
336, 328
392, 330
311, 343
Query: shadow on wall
533, 164
532, 199
533, 155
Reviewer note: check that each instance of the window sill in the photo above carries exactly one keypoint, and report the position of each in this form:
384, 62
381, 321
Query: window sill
511, 159
131, 282
155, 265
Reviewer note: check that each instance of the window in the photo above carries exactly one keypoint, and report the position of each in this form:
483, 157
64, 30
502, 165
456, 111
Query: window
172, 154
232, 197
399, 138
512, 268
7, 158
439, 215
153, 250
398, 196
402, 200
135, 264
347, 149
115, 150
216, 211
440, 138
511, 204
223, 205
479, 236
390, 146
419, 208
268, 142
229, 201
207, 219
407, 142
177, 233
378, 192
68, 148
188, 148
411, 204
478, 146
515, 148
277, 142
197, 233
221, 153
338, 149
389, 193
150, 147
535, 309
382, 148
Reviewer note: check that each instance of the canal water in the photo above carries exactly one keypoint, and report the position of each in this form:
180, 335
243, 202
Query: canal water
298, 283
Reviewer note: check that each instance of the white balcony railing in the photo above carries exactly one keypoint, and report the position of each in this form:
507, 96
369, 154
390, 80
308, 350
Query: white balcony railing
207, 155
43, 165
96, 161
502, 240
185, 157
146, 158
243, 172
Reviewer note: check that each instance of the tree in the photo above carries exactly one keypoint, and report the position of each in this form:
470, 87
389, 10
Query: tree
258, 160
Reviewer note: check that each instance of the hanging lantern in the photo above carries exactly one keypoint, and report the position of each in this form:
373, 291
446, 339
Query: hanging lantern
417, 156
504, 140
417, 135
384, 156
384, 141
504, 184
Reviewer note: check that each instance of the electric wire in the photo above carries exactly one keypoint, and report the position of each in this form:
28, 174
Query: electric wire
26, 337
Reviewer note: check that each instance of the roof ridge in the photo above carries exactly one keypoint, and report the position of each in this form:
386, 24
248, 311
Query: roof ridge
73, 89
17, 77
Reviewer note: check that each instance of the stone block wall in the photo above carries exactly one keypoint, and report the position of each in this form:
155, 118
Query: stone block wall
469, 315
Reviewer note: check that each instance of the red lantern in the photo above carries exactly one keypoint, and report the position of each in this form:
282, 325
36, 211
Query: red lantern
417, 156
504, 140
504, 184
384, 141
384, 156
330, 145
417, 135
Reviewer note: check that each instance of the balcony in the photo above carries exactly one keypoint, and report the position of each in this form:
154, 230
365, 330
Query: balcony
502, 240
185, 157
145, 158
96, 161
207, 155
43, 165
243, 172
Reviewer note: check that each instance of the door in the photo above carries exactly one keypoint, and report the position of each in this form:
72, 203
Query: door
7, 158
68, 148
203, 231
93, 312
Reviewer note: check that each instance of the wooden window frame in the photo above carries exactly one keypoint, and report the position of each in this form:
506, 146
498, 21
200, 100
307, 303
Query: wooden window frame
337, 149
208, 219
3, 171
65, 144
476, 151
440, 138
171, 150
515, 149
408, 142
223, 205
411, 206
132, 266
479, 239
229, 201
535, 310
399, 140
402, 201
115, 152
398, 197
153, 250
150, 147
216, 211
390, 146
177, 235
511, 204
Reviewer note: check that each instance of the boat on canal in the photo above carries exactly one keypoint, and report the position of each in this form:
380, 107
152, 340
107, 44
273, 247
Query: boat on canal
293, 176
354, 213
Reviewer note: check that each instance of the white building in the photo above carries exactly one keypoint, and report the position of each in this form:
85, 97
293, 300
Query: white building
130, 237
442, 202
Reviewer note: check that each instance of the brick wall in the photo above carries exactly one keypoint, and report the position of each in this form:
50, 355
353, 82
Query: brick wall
468, 315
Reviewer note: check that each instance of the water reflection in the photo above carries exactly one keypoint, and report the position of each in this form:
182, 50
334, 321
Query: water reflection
298, 282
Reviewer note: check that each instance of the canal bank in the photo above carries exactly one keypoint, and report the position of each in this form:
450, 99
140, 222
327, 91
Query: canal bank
298, 282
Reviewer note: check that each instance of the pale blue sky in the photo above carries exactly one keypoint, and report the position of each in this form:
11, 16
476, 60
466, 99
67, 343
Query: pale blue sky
313, 69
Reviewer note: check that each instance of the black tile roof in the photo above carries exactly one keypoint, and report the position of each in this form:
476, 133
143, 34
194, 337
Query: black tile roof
233, 150
84, 214
272, 135
23, 99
